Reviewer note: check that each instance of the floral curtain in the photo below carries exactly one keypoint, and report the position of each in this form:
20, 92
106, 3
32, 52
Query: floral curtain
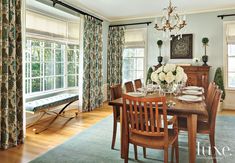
92, 64
11, 103
116, 41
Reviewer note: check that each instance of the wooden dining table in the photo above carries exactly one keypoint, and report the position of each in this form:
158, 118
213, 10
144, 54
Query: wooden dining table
190, 110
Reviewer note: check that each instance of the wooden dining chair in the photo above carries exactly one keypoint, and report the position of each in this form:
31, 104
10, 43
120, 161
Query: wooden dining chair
115, 92
142, 127
129, 87
210, 94
138, 84
206, 127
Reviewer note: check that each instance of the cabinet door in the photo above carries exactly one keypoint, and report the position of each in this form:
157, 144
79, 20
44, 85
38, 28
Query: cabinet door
192, 79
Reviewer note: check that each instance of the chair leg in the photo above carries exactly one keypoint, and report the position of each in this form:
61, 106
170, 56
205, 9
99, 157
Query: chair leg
212, 141
172, 153
114, 127
144, 152
165, 154
135, 151
126, 153
177, 150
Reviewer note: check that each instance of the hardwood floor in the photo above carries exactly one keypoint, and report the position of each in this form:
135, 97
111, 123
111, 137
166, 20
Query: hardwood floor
37, 144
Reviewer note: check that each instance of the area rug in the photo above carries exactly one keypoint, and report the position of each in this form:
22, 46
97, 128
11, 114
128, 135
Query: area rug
94, 146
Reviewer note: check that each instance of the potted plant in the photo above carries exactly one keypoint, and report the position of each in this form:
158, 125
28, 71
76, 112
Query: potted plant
160, 58
205, 41
149, 73
218, 79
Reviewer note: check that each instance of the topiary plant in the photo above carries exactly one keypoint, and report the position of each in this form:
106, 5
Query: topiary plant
159, 43
148, 79
218, 79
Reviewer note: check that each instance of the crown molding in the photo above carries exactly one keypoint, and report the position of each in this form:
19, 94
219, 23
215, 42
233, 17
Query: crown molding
160, 15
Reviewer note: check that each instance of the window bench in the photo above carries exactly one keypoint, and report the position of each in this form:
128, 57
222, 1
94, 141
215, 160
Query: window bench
44, 104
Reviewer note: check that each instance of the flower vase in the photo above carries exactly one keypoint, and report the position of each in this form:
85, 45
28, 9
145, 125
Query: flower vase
167, 88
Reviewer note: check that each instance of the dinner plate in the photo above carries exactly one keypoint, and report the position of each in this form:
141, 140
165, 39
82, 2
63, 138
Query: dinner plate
190, 98
193, 88
192, 92
136, 94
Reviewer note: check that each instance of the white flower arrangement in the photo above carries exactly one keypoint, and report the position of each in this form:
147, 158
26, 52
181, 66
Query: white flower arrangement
169, 74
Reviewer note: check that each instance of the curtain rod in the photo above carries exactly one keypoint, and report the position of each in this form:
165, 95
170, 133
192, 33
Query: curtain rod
118, 25
73, 8
222, 16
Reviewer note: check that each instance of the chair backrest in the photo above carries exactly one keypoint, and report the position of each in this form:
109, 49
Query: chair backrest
215, 104
116, 91
138, 84
129, 87
210, 95
141, 116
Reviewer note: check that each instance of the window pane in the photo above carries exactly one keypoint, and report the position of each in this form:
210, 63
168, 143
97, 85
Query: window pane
140, 52
231, 64
71, 80
48, 44
27, 55
35, 69
59, 69
48, 56
139, 74
129, 63
231, 80
36, 43
59, 56
231, 50
49, 83
58, 46
35, 55
140, 64
36, 85
59, 82
71, 68
77, 53
49, 69
71, 56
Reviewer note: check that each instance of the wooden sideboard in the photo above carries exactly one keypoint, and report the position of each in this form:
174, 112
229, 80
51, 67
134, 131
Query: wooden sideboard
197, 75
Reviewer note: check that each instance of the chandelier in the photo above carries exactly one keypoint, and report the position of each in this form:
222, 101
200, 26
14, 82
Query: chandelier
171, 22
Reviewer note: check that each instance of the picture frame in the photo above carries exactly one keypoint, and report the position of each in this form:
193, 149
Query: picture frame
182, 48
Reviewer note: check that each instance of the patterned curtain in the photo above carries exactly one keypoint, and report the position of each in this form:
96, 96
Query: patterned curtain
116, 38
11, 103
92, 68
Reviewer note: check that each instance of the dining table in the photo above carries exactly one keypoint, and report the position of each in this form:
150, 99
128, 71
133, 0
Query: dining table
190, 110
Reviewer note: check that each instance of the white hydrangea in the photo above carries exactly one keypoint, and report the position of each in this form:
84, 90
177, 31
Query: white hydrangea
185, 78
179, 77
179, 69
169, 77
169, 67
160, 69
154, 76
162, 76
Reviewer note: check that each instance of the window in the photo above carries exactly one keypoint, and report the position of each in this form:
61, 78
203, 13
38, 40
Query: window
52, 54
230, 38
231, 65
133, 64
134, 55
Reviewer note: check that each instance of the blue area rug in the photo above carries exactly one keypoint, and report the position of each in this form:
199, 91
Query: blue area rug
94, 146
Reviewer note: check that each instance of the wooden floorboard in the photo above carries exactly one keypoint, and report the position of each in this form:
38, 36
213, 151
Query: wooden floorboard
37, 144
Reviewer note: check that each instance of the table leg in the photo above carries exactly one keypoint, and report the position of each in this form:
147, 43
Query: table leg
192, 133
122, 133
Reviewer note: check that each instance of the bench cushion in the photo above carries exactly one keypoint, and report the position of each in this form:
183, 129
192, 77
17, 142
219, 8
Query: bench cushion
53, 101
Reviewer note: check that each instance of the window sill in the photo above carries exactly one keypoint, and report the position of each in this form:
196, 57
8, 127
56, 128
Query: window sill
39, 95
230, 89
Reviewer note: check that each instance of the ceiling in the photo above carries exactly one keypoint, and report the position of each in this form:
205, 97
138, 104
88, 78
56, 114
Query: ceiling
116, 10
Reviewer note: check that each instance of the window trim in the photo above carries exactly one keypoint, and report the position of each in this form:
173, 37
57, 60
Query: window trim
225, 56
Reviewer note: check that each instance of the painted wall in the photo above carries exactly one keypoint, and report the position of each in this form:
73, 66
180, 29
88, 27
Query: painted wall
200, 25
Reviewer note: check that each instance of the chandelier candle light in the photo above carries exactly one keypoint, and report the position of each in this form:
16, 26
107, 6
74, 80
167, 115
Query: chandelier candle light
171, 22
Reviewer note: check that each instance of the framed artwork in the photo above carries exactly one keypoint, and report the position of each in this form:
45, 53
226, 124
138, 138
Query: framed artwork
182, 48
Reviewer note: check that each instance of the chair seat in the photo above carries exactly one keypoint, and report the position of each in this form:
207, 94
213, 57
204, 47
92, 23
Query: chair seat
202, 126
151, 141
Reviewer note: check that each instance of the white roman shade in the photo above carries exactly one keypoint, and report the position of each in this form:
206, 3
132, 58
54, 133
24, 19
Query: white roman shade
230, 33
41, 26
135, 37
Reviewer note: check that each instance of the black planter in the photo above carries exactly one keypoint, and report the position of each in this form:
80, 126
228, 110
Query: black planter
205, 59
159, 58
